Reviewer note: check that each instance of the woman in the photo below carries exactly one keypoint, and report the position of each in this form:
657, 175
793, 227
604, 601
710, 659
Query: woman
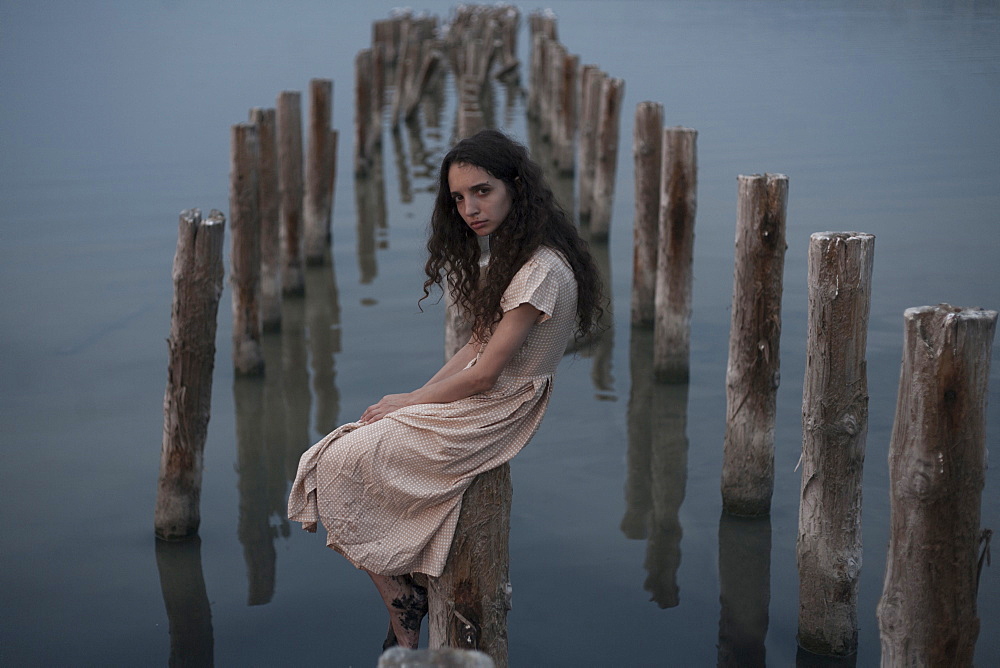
388, 488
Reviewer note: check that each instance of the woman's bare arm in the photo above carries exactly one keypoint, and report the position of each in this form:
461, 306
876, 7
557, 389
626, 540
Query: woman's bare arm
457, 362
510, 333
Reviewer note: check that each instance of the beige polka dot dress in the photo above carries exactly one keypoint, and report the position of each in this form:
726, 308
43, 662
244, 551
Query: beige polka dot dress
389, 493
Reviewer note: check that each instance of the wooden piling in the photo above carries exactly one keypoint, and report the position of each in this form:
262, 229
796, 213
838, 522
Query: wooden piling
675, 255
565, 132
591, 80
647, 142
752, 374
289, 122
470, 114
244, 217
612, 91
320, 157
937, 458
197, 276
468, 603
270, 224
834, 430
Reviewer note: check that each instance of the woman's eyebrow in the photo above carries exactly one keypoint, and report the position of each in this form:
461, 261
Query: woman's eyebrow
477, 186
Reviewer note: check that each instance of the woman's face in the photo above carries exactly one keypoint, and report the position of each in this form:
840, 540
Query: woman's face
482, 200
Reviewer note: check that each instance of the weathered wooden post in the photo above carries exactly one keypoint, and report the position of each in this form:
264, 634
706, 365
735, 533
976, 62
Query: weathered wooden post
187, 402
289, 121
612, 91
675, 255
646, 148
470, 114
566, 124
244, 218
320, 160
834, 429
591, 80
270, 224
468, 603
937, 458
752, 374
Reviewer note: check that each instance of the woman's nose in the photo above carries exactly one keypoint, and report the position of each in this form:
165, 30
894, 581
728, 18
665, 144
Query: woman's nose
470, 208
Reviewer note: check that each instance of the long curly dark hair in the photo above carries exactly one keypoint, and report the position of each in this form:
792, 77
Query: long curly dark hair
535, 219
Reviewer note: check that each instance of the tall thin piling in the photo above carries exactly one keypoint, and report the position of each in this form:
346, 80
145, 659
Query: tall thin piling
289, 121
647, 142
675, 254
318, 197
244, 217
834, 431
198, 279
591, 79
270, 224
566, 123
608, 121
937, 460
752, 374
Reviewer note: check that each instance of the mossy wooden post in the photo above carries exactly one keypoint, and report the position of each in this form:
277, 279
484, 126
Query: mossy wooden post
675, 255
834, 430
937, 459
289, 121
612, 91
752, 374
591, 80
244, 219
187, 402
647, 141
270, 224
317, 199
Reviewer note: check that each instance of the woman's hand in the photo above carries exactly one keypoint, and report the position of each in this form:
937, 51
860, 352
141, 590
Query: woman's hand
385, 405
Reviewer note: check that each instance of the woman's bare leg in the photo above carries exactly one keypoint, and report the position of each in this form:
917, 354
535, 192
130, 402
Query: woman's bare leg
407, 605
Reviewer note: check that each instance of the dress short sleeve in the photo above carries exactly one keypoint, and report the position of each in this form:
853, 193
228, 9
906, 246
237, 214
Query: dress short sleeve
534, 283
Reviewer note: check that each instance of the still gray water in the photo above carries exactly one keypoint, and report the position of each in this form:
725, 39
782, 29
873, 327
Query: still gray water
114, 117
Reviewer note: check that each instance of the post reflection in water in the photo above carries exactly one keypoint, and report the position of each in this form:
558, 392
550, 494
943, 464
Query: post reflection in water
323, 322
186, 600
254, 472
744, 589
272, 419
369, 200
657, 470
603, 347
422, 160
402, 168
806, 659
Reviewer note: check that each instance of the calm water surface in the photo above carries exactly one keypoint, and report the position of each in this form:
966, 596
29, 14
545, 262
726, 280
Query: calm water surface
115, 116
